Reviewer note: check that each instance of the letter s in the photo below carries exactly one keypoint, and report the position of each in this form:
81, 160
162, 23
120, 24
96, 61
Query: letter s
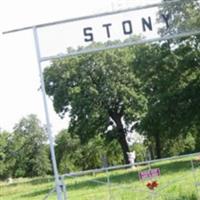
88, 34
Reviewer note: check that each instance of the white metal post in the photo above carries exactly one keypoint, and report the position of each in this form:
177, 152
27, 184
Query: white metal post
49, 131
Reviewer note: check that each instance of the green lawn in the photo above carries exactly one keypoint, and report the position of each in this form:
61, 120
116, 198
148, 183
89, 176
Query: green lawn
177, 181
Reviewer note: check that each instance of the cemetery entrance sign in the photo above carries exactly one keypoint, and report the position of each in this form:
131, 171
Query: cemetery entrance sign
143, 24
150, 23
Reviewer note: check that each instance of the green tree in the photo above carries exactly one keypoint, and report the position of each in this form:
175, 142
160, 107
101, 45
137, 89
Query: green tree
29, 141
183, 16
68, 151
152, 63
183, 144
171, 84
99, 153
7, 161
98, 90
73, 156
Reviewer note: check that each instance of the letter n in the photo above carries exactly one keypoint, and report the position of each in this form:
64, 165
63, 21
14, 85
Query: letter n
147, 24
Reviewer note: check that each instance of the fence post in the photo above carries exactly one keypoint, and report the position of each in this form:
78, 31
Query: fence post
194, 177
108, 184
63, 187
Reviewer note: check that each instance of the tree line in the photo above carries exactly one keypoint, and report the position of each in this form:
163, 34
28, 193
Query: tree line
25, 152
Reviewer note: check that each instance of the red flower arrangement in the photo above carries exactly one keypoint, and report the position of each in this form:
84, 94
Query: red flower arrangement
152, 184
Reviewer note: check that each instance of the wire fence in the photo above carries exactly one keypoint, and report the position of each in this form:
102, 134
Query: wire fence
176, 177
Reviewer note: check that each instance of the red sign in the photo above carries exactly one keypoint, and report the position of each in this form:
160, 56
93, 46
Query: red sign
149, 174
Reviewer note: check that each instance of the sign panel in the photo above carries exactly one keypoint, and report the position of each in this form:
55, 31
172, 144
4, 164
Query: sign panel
149, 174
164, 20
148, 23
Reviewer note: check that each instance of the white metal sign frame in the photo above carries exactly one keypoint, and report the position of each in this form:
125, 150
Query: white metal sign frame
120, 45
59, 183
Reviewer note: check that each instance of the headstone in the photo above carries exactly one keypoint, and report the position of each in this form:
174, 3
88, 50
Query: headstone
131, 157
104, 161
10, 180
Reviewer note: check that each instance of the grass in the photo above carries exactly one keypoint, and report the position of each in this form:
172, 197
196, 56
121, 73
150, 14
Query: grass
177, 182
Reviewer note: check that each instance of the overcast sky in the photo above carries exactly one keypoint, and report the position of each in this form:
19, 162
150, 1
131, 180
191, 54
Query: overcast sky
19, 77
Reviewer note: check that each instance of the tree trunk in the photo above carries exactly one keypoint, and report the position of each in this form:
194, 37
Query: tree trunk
158, 145
124, 146
121, 135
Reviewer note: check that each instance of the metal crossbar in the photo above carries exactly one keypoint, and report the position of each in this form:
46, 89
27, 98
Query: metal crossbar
92, 16
139, 42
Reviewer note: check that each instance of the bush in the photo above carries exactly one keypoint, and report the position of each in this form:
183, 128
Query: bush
140, 150
179, 145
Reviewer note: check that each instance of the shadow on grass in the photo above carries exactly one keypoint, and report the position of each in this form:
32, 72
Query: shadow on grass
185, 197
39, 181
35, 193
34, 181
128, 176
173, 167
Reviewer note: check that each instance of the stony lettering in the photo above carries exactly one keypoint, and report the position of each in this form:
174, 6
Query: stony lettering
126, 27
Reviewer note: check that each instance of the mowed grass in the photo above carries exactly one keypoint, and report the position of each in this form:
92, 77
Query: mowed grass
177, 181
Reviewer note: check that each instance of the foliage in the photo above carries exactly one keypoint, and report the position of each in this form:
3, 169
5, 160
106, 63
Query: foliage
29, 148
108, 88
6, 161
98, 90
113, 155
180, 145
171, 84
67, 152
183, 16
100, 153
73, 156
141, 152
169, 72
